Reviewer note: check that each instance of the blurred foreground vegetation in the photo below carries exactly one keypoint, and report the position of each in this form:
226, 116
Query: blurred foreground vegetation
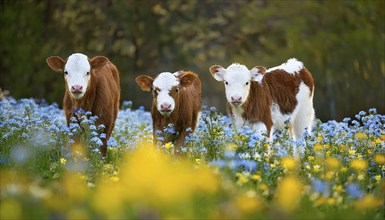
339, 172
341, 42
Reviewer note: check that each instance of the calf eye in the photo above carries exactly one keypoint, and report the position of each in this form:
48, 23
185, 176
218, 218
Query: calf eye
88, 73
177, 89
226, 83
65, 72
247, 83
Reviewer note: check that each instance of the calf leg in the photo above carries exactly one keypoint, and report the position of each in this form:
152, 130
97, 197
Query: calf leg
304, 119
178, 143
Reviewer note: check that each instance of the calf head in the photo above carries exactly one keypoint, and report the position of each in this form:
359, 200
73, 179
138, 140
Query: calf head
165, 89
237, 79
78, 70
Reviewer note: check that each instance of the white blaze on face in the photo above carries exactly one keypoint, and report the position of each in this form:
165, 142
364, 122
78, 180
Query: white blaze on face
237, 83
163, 85
77, 74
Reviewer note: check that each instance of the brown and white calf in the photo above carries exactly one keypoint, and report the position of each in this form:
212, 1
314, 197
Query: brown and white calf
264, 99
92, 85
176, 100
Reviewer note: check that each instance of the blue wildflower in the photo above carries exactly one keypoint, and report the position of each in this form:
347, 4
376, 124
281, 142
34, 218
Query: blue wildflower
354, 191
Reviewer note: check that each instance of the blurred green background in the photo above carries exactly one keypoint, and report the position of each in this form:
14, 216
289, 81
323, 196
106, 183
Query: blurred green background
340, 42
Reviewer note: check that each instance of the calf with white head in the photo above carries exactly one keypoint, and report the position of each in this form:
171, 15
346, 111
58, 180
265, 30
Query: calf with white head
264, 99
92, 85
176, 100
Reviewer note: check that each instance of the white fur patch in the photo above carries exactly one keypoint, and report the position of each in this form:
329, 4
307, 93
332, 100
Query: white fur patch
77, 67
238, 120
258, 127
277, 117
301, 117
291, 66
303, 114
165, 82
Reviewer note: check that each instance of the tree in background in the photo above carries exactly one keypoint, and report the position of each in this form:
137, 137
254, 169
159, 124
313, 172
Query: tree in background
341, 43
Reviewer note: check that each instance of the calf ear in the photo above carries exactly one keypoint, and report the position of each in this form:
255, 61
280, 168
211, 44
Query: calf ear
257, 73
145, 82
186, 79
217, 72
98, 62
56, 63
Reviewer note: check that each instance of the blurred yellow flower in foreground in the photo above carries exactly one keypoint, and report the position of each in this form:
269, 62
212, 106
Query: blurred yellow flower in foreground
289, 193
318, 147
249, 203
379, 159
10, 209
289, 163
152, 178
332, 163
359, 164
368, 202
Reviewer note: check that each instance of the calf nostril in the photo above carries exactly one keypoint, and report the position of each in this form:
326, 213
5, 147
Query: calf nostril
236, 98
165, 106
76, 88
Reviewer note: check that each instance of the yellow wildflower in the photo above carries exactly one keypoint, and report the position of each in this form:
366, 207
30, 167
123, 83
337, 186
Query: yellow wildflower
263, 187
382, 137
256, 177
343, 169
359, 164
361, 135
332, 163
242, 178
378, 141
249, 203
331, 201
63, 161
352, 152
329, 175
310, 158
288, 194
316, 168
368, 202
198, 161
318, 147
114, 179
319, 139
168, 145
361, 176
231, 147
289, 163
379, 159
338, 188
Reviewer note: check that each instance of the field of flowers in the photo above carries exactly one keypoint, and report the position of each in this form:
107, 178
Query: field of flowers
339, 173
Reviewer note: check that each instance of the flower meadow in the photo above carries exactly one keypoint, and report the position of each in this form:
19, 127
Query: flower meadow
337, 172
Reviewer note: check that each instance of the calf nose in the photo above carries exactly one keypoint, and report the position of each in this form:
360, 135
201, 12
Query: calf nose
76, 88
236, 99
166, 107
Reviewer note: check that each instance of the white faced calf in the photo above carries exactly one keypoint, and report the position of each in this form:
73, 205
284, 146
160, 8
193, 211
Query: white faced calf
176, 100
264, 99
92, 85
